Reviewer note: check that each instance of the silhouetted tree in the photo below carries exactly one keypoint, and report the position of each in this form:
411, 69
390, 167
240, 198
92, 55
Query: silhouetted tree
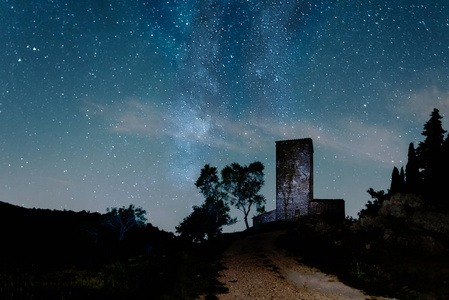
209, 218
372, 207
445, 160
397, 181
402, 180
429, 152
242, 185
412, 171
205, 221
193, 227
426, 170
123, 219
209, 183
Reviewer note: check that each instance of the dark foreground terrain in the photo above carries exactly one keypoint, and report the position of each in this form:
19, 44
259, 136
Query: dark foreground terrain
381, 269
67, 255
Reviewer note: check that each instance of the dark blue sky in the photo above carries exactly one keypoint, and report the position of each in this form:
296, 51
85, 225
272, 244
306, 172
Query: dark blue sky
107, 103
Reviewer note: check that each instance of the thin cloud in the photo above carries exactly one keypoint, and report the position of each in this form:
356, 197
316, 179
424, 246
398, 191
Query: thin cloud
251, 135
419, 106
138, 118
59, 181
357, 139
370, 142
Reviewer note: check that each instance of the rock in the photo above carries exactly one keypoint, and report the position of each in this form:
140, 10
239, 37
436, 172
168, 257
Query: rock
393, 207
380, 222
355, 227
367, 222
388, 234
405, 221
428, 245
413, 201
432, 221
399, 205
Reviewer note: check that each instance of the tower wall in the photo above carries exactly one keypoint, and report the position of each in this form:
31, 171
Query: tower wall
294, 178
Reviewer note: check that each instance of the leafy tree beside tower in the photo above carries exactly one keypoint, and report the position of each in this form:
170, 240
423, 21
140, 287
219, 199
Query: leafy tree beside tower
242, 185
239, 186
208, 219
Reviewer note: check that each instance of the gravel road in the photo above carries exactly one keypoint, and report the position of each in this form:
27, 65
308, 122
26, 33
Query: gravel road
256, 269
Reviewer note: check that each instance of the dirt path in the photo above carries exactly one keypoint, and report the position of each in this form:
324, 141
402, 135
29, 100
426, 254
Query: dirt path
256, 269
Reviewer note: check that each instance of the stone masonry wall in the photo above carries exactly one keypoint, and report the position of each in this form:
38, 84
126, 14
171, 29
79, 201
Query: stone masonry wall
327, 207
294, 178
294, 185
264, 218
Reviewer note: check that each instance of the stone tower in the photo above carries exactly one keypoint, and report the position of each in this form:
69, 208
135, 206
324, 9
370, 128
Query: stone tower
294, 178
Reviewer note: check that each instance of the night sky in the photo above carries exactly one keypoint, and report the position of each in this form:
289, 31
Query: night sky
108, 103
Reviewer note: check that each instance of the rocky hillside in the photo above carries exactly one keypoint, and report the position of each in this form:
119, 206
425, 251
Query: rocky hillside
405, 222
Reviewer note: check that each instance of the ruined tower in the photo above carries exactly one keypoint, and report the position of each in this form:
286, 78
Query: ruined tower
294, 178
294, 186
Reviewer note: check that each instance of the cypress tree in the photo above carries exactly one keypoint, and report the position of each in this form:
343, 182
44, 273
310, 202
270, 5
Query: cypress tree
443, 177
412, 171
395, 186
430, 158
445, 158
429, 151
402, 180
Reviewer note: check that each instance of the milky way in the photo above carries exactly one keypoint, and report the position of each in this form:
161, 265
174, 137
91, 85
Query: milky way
107, 103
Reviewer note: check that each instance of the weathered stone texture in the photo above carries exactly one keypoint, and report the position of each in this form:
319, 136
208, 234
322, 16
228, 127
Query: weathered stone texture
334, 208
294, 178
294, 185
264, 218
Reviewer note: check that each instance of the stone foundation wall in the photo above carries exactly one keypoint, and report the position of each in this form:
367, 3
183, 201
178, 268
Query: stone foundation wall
327, 207
264, 218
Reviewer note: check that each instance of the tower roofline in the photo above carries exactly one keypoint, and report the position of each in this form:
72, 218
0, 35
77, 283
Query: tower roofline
305, 141
295, 140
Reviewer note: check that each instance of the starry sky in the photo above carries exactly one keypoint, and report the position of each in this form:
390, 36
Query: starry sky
105, 103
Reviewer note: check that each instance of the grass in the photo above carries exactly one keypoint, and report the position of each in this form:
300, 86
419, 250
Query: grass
180, 274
